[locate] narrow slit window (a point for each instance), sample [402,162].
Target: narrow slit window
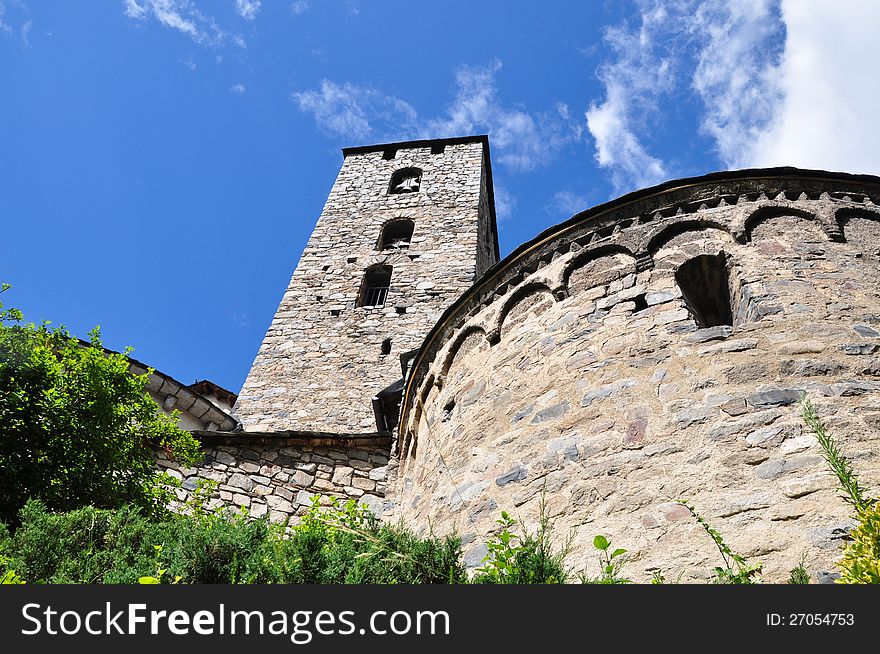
[406,180]
[374,290]
[396,235]
[705,287]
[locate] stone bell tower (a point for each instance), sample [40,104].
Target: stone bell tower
[407,228]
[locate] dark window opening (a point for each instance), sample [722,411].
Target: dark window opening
[351,259]
[335,312]
[389,154]
[374,290]
[640,302]
[406,180]
[447,410]
[400,309]
[438,148]
[386,346]
[705,288]
[319,297]
[396,235]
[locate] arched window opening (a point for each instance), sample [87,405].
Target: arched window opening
[406,180]
[374,289]
[396,235]
[705,287]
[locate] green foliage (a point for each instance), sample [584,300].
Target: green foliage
[76,427]
[9,577]
[610,564]
[861,556]
[7,574]
[799,574]
[525,559]
[10,314]
[736,570]
[839,464]
[338,544]
[345,543]
[160,577]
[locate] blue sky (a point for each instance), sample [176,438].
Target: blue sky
[162,162]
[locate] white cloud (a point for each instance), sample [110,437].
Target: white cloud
[639,73]
[725,52]
[180,15]
[618,148]
[248,9]
[136,11]
[505,202]
[16,17]
[299,7]
[828,115]
[777,83]
[188,61]
[356,112]
[237,89]
[521,140]
[736,73]
[4,27]
[569,203]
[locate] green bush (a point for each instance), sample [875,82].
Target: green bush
[610,564]
[346,544]
[861,556]
[799,574]
[340,544]
[526,559]
[76,427]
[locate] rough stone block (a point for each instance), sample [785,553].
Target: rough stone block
[775,397]
[238,480]
[719,332]
[515,474]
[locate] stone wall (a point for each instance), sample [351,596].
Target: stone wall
[278,474]
[576,374]
[323,359]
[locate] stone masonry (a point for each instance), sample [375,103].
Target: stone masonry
[650,349]
[576,373]
[277,476]
[324,357]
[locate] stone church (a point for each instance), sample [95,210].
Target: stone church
[649,349]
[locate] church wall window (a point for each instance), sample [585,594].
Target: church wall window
[374,289]
[405,180]
[705,287]
[396,235]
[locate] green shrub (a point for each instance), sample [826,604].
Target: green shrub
[340,544]
[610,563]
[526,559]
[799,575]
[91,545]
[861,556]
[76,427]
[346,544]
